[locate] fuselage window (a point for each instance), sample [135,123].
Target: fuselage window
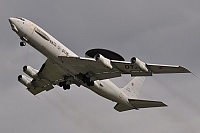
[21,19]
[42,34]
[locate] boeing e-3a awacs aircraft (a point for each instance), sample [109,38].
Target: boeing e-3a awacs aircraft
[63,68]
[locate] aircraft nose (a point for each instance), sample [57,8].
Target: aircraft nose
[12,23]
[11,20]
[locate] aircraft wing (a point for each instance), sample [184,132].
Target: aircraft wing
[85,65]
[49,75]
[112,68]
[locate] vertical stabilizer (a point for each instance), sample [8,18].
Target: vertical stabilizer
[132,89]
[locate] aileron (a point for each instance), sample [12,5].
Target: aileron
[159,69]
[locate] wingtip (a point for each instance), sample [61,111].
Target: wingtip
[165,105]
[185,70]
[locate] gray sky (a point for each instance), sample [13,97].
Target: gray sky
[156,31]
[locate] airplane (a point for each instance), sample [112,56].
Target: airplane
[64,68]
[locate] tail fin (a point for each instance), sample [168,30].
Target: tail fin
[132,89]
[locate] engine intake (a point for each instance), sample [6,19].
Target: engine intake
[31,72]
[25,80]
[103,60]
[139,63]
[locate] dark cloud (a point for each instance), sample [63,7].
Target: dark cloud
[155,31]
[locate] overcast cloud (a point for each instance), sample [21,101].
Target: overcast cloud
[156,31]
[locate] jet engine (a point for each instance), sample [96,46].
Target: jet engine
[25,80]
[139,63]
[30,72]
[103,60]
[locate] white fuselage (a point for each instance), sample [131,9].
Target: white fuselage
[52,48]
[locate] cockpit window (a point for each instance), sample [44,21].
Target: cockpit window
[21,19]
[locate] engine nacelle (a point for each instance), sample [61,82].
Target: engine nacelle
[103,60]
[25,80]
[139,63]
[30,71]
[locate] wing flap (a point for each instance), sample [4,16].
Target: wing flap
[37,90]
[107,75]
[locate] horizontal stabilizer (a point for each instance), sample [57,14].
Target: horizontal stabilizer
[136,103]
[121,107]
